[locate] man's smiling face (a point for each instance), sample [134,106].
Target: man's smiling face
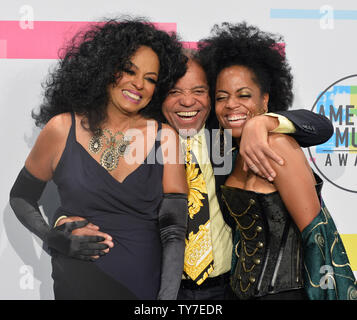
[187,105]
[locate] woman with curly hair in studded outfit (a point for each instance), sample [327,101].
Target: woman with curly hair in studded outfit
[283,232]
[101,145]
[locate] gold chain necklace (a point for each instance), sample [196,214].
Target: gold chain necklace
[116,148]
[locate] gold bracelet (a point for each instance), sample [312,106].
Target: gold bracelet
[61,217]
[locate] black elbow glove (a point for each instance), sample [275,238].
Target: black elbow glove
[24,196]
[173,225]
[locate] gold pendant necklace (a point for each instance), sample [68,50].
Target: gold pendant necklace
[116,147]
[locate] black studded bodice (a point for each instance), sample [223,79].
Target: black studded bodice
[269,257]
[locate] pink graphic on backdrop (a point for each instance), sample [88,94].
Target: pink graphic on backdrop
[46,38]
[194,45]
[3,49]
[281,48]
[190,45]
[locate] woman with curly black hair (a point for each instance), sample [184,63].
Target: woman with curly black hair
[101,144]
[276,255]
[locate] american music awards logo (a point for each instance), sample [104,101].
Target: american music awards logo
[336,159]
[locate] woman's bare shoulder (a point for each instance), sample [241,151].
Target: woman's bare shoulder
[58,125]
[169,134]
[49,146]
[170,129]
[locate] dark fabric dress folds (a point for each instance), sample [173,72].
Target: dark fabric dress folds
[128,211]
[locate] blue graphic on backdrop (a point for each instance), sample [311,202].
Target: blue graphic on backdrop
[336,159]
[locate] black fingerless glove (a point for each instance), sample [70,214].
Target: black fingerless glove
[173,223]
[24,196]
[80,247]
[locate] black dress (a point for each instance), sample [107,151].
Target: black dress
[128,211]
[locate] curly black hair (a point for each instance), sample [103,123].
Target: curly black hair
[95,58]
[246,45]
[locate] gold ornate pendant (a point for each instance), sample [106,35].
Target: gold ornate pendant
[116,148]
[95,144]
[109,159]
[123,147]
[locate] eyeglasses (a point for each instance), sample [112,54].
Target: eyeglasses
[196,92]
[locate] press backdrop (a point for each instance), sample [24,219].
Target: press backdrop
[320,44]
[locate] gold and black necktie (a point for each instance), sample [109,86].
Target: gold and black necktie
[198,254]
